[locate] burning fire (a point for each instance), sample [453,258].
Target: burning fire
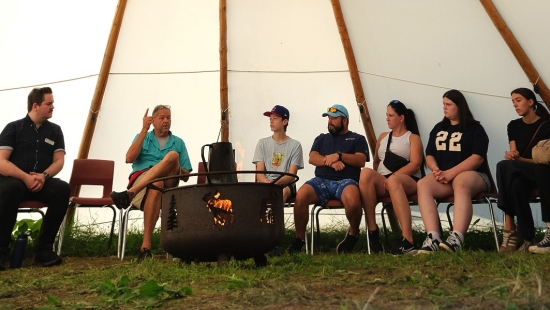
[221,209]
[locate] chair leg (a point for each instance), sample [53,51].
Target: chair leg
[61,235]
[368,239]
[319,209]
[125,220]
[112,227]
[493,222]
[124,232]
[449,217]
[120,231]
[312,225]
[387,241]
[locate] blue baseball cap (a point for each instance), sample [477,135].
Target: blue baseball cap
[279,110]
[337,110]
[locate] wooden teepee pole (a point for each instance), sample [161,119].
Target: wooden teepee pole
[101,82]
[224,104]
[359,95]
[354,73]
[517,50]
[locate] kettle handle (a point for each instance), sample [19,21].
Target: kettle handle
[204,162]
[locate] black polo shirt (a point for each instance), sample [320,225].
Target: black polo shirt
[32,148]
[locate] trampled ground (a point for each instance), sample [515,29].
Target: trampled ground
[471,280]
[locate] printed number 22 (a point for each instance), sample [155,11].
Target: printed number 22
[454,142]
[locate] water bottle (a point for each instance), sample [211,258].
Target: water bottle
[19,250]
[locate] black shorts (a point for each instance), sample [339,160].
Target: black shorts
[412,176]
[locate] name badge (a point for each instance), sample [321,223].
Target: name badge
[50,142]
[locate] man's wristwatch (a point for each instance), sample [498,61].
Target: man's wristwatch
[46,175]
[339,155]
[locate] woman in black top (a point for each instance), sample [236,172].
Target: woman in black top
[456,153]
[517,175]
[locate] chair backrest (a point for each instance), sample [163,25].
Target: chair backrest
[92,172]
[201,179]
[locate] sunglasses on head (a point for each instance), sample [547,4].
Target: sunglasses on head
[333,110]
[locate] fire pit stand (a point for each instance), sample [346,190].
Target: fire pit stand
[216,221]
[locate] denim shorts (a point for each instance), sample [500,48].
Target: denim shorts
[330,189]
[485,178]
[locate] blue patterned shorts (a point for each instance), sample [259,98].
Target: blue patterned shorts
[330,189]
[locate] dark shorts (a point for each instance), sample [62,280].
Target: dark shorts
[416,179]
[330,189]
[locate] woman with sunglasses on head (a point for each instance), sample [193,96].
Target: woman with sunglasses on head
[396,169]
[518,174]
[457,155]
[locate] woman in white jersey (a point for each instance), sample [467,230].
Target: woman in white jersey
[396,169]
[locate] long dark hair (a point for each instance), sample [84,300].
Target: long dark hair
[466,120]
[410,119]
[410,123]
[540,110]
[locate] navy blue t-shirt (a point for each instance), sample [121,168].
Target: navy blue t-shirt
[349,143]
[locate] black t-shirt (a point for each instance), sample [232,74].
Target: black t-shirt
[521,133]
[450,147]
[32,148]
[349,143]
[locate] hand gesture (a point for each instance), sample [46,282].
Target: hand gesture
[147,121]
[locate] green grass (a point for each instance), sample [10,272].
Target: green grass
[92,278]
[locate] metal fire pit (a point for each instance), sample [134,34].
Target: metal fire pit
[212,222]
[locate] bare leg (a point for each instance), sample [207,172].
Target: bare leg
[428,189]
[371,186]
[465,185]
[151,211]
[352,205]
[400,186]
[509,223]
[286,194]
[168,166]
[306,195]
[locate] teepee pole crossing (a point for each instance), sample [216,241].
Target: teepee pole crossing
[517,50]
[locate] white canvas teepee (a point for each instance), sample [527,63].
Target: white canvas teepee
[284,52]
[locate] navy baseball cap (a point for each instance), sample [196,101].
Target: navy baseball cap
[279,110]
[337,110]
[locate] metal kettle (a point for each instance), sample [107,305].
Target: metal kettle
[221,157]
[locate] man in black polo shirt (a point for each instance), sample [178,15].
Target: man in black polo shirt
[32,151]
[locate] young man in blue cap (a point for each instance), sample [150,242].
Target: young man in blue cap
[338,156]
[278,152]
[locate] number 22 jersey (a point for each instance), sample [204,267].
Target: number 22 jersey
[450,147]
